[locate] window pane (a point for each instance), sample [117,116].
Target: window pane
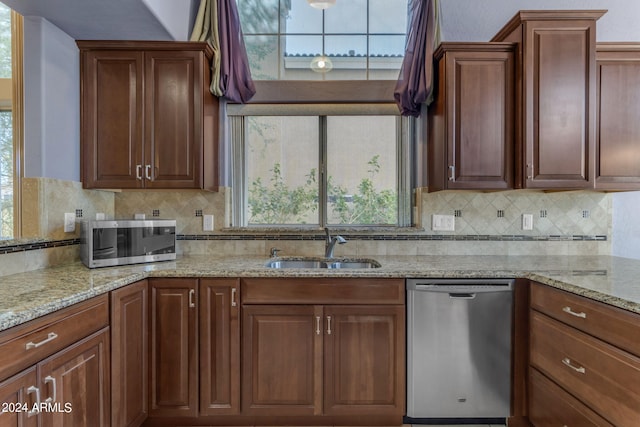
[5,42]
[6,175]
[361,170]
[387,16]
[282,170]
[258,16]
[302,19]
[264,60]
[347,16]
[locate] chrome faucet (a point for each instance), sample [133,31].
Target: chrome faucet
[330,243]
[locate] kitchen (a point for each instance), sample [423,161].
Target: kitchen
[566,229]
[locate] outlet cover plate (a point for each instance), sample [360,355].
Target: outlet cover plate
[443,223]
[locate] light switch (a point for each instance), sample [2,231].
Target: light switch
[527,221]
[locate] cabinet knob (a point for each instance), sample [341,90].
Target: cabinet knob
[50,379]
[233,297]
[452,173]
[192,295]
[35,410]
[139,172]
[328,325]
[318,325]
[147,172]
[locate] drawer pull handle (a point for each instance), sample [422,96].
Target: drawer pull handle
[50,379]
[317,325]
[35,410]
[52,336]
[192,294]
[573,313]
[328,325]
[233,297]
[567,362]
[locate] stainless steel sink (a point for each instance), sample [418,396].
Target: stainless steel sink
[327,263]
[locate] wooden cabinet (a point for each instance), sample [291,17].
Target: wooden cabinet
[78,379]
[129,354]
[148,119]
[18,394]
[555,97]
[61,361]
[471,122]
[219,305]
[618,133]
[173,347]
[331,358]
[583,351]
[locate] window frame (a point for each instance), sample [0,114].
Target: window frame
[405,143]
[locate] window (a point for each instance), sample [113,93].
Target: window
[323,166]
[361,39]
[322,153]
[6,128]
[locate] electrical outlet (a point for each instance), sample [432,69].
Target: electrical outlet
[69,222]
[527,221]
[139,216]
[443,223]
[100,216]
[207,222]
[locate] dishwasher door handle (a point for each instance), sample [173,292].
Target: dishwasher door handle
[461,295]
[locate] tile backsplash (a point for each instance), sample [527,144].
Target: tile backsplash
[564,223]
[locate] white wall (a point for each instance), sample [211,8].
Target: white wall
[51,102]
[176,16]
[626,225]
[474,20]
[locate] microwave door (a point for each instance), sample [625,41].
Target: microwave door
[105,243]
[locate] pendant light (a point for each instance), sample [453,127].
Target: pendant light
[321,4]
[321,64]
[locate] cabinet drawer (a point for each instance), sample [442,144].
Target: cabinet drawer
[551,406]
[604,377]
[322,291]
[24,345]
[616,326]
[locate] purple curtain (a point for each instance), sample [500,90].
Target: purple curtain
[415,82]
[235,76]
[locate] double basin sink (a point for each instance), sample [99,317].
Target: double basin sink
[315,263]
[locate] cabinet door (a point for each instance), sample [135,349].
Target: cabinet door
[559,103]
[479,111]
[364,360]
[111,119]
[76,380]
[130,355]
[618,142]
[219,346]
[282,360]
[173,119]
[173,347]
[18,394]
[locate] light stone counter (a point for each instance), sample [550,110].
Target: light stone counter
[612,280]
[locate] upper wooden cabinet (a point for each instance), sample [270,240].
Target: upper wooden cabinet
[618,136]
[148,119]
[471,122]
[555,97]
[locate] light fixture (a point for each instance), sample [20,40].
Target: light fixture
[321,64]
[321,4]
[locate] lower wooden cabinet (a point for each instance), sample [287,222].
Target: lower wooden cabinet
[56,369]
[329,359]
[219,346]
[18,394]
[77,378]
[583,366]
[129,355]
[173,347]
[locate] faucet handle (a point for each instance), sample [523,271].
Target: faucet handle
[273,252]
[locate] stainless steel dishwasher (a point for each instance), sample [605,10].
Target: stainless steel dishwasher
[459,350]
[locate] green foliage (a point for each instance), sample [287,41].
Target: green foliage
[369,205]
[280,204]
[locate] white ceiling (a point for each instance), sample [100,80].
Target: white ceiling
[462,20]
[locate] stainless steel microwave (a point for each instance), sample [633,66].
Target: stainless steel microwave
[120,242]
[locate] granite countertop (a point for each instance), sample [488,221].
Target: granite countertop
[612,280]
